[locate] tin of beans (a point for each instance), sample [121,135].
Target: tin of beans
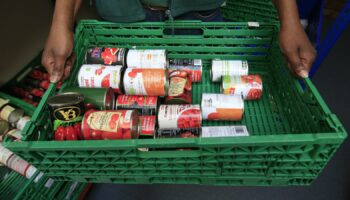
[180,87]
[149,82]
[221,68]
[67,107]
[99,98]
[179,116]
[192,66]
[145,105]
[178,133]
[100,76]
[106,56]
[150,59]
[249,87]
[222,107]
[110,125]
[147,126]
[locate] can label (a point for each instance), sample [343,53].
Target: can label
[146,105]
[250,86]
[22,122]
[105,55]
[148,124]
[224,131]
[221,68]
[178,133]
[119,124]
[3,102]
[100,76]
[150,82]
[179,88]
[6,112]
[192,66]
[155,59]
[176,86]
[179,116]
[222,107]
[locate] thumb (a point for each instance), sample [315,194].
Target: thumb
[57,70]
[296,64]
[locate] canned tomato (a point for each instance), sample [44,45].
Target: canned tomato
[11,114]
[180,87]
[22,122]
[44,84]
[179,116]
[224,131]
[39,75]
[145,105]
[222,107]
[221,68]
[106,56]
[67,107]
[249,87]
[178,133]
[149,82]
[192,66]
[33,94]
[150,59]
[100,98]
[110,125]
[100,76]
[147,126]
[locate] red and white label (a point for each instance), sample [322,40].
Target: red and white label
[221,68]
[148,124]
[179,116]
[150,59]
[250,86]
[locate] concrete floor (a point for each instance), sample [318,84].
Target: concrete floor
[23,34]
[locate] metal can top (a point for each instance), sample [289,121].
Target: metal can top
[63,99]
[109,99]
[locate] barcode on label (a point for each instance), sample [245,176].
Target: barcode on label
[197,62]
[224,131]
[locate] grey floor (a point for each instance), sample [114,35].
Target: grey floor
[24,27]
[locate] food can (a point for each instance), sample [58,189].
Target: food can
[3,102]
[39,75]
[44,84]
[106,56]
[150,59]
[67,107]
[147,126]
[249,87]
[100,76]
[192,66]
[110,125]
[178,133]
[149,82]
[221,68]
[4,127]
[180,87]
[222,107]
[179,116]
[11,114]
[145,105]
[100,98]
[22,122]
[16,134]
[224,131]
[33,94]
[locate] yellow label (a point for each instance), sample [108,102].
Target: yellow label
[6,111]
[177,86]
[104,121]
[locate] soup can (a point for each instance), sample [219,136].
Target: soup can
[147,126]
[150,59]
[222,107]
[100,76]
[149,82]
[249,87]
[180,87]
[100,98]
[192,66]
[110,125]
[145,105]
[179,116]
[106,56]
[66,107]
[221,68]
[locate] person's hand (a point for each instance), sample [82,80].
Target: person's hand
[58,57]
[297,49]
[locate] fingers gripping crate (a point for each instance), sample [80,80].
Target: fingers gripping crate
[292,132]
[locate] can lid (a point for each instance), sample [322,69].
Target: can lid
[166,83]
[15,116]
[63,99]
[109,99]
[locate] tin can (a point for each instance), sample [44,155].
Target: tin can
[178,133]
[179,116]
[16,134]
[4,127]
[100,98]
[147,126]
[11,114]
[28,92]
[224,131]
[39,75]
[3,102]
[221,68]
[44,84]
[180,87]
[222,107]
[66,107]
[192,66]
[150,59]
[145,105]
[106,56]
[22,122]
[249,87]
[100,76]
[149,82]
[110,125]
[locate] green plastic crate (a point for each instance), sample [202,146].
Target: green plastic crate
[250,10]
[293,133]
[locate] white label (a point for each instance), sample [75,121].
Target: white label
[169,115]
[234,85]
[151,59]
[216,103]
[71,190]
[22,122]
[221,68]
[49,183]
[224,131]
[253,24]
[134,85]
[30,171]
[38,177]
